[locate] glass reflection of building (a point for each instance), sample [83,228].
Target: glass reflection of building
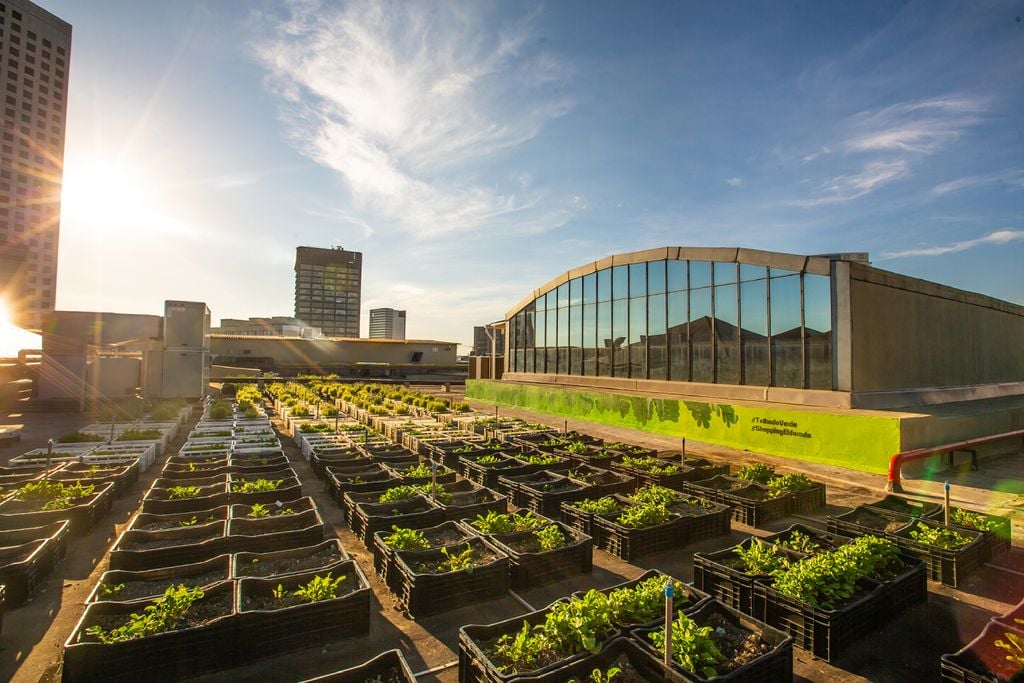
[682,320]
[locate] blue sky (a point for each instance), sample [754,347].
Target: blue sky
[474,150]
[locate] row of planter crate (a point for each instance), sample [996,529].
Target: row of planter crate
[223,625]
[823,632]
[996,655]
[626,646]
[951,553]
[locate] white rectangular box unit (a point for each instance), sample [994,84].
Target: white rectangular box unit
[184,374]
[186,325]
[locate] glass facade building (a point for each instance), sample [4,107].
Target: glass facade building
[682,319]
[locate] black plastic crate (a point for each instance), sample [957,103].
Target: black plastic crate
[713,574]
[950,567]
[269,632]
[424,594]
[529,569]
[687,600]
[980,661]
[711,520]
[415,513]
[776,665]
[583,522]
[865,521]
[806,502]
[444,534]
[824,633]
[388,666]
[628,544]
[995,540]
[41,549]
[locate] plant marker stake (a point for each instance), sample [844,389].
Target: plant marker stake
[945,492]
[669,593]
[335,423]
[565,427]
[433,480]
[111,440]
[49,454]
[682,446]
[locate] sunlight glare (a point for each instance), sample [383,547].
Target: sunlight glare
[106,198]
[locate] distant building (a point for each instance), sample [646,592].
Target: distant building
[387,323]
[328,287]
[35,52]
[275,326]
[482,343]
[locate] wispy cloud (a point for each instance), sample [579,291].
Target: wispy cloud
[922,126]
[996,237]
[735,181]
[1013,179]
[405,100]
[845,188]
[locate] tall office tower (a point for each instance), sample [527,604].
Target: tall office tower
[387,323]
[35,51]
[328,285]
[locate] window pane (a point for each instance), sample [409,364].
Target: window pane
[620,282]
[541,327]
[637,279]
[530,339]
[563,340]
[676,276]
[604,284]
[701,369]
[604,338]
[818,330]
[727,350]
[638,337]
[678,335]
[620,333]
[787,341]
[576,291]
[540,304]
[590,288]
[575,339]
[700,274]
[725,273]
[754,335]
[563,295]
[656,350]
[655,277]
[748,273]
[589,340]
[552,330]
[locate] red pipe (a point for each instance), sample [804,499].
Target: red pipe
[896,462]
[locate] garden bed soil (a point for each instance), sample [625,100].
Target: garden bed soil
[417,512]
[320,557]
[140,550]
[865,521]
[153,583]
[275,533]
[584,521]
[151,522]
[241,511]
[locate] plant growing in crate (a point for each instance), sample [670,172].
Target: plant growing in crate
[972,520]
[258,486]
[757,472]
[53,495]
[644,515]
[789,483]
[406,539]
[759,558]
[550,538]
[656,495]
[800,542]
[109,590]
[403,492]
[692,646]
[641,603]
[320,588]
[649,464]
[164,614]
[940,538]
[497,523]
[542,459]
[597,506]
[1014,645]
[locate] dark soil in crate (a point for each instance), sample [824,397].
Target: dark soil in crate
[426,588]
[201,612]
[864,521]
[149,522]
[529,565]
[157,540]
[389,667]
[317,557]
[981,661]
[141,589]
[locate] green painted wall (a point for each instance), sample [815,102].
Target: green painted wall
[858,442]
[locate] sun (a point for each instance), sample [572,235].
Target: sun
[106,197]
[12,337]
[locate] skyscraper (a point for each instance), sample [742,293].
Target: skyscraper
[35,51]
[328,286]
[387,323]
